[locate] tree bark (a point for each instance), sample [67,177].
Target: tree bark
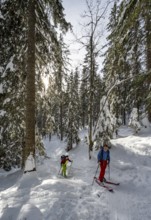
[91,96]
[30,83]
[148,50]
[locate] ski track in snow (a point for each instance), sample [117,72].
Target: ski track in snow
[44,195]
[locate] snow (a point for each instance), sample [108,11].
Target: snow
[106,122]
[1,16]
[1,87]
[30,163]
[133,120]
[10,66]
[2,112]
[44,195]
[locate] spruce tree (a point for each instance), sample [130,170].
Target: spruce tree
[14,22]
[72,124]
[106,124]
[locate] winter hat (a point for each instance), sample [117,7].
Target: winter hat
[105,145]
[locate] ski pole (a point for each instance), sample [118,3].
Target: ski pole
[109,170]
[59,170]
[69,168]
[95,174]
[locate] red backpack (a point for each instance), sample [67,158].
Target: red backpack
[63,159]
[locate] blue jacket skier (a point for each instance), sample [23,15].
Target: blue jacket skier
[103,160]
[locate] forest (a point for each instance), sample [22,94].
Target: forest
[33,48]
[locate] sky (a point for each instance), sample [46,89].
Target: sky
[73,10]
[45,195]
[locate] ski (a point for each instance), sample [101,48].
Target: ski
[112,183]
[103,185]
[64,177]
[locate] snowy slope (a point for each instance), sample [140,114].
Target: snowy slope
[44,195]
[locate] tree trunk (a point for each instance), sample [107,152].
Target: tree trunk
[30,86]
[91,97]
[61,120]
[148,51]
[59,85]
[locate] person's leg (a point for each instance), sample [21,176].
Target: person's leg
[102,170]
[105,165]
[67,167]
[64,170]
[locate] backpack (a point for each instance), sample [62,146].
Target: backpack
[63,159]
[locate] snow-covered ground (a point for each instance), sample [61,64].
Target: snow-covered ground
[44,195]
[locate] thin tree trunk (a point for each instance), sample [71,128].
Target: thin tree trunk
[61,105]
[61,118]
[91,98]
[124,116]
[83,119]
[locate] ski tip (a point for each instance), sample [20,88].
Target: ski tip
[117,184]
[112,183]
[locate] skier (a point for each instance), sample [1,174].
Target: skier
[103,160]
[64,161]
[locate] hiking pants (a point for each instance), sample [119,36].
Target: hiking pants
[103,166]
[64,169]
